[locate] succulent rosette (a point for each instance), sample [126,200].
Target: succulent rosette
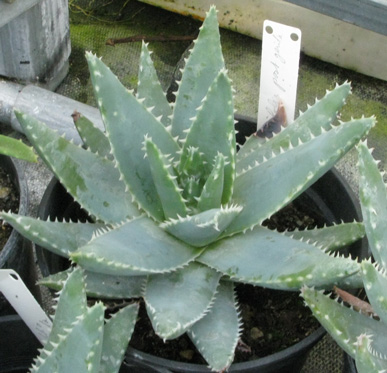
[175,212]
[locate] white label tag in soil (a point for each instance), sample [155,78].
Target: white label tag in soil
[24,303]
[279,73]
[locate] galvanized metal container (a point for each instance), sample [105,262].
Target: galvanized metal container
[35,41]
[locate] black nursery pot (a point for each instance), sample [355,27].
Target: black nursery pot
[17,252]
[349,364]
[17,343]
[330,196]
[18,346]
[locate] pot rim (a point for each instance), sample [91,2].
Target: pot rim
[281,356]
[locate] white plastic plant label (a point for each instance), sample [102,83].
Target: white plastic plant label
[24,303]
[279,73]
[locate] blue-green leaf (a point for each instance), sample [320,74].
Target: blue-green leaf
[375,284]
[149,88]
[202,67]
[342,323]
[71,319]
[373,198]
[267,258]
[92,137]
[331,238]
[137,247]
[127,122]
[81,344]
[216,335]
[311,123]
[215,119]
[203,228]
[211,196]
[165,180]
[116,335]
[367,361]
[99,285]
[59,238]
[72,304]
[76,168]
[190,292]
[302,165]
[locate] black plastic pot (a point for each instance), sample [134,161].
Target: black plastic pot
[18,346]
[17,343]
[330,196]
[290,360]
[349,364]
[17,252]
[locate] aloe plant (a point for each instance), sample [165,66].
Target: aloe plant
[361,330]
[16,148]
[80,339]
[176,213]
